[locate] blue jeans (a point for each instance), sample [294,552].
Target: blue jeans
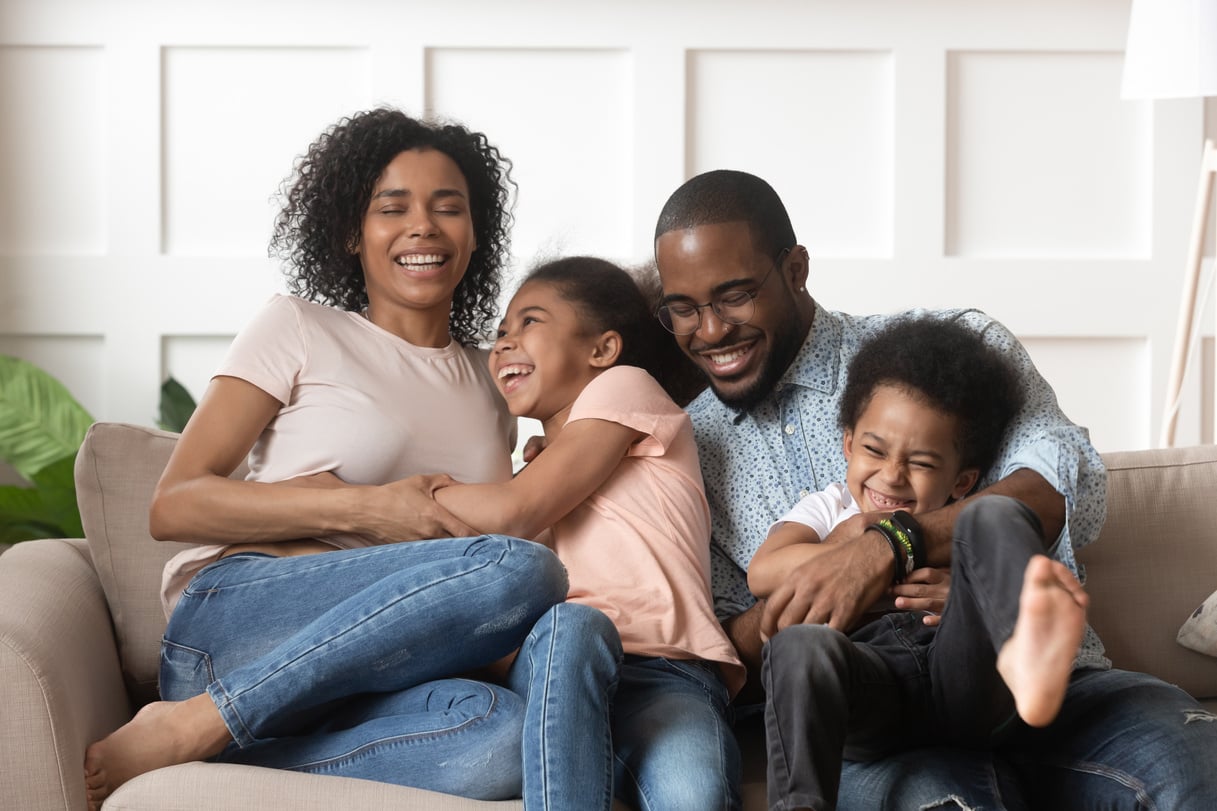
[1122,741]
[674,747]
[339,663]
[654,731]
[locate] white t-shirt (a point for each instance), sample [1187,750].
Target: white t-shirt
[361,403]
[822,510]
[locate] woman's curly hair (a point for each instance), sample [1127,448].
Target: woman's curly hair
[328,193]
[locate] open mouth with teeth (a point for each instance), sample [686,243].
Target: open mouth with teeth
[729,361]
[421,261]
[512,376]
[882,501]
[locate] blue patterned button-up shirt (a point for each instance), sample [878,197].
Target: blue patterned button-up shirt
[759,463]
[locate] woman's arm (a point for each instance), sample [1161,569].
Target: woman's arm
[195,500]
[578,461]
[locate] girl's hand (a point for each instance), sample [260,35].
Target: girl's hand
[924,590]
[406,510]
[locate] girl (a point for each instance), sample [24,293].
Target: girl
[620,490]
[302,635]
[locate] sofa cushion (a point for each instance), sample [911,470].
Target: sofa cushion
[1154,562]
[116,471]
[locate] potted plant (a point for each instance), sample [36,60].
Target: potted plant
[41,428]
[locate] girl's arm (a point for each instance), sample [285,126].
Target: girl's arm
[788,546]
[195,501]
[578,461]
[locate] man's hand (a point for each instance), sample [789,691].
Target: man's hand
[533,447]
[925,589]
[834,589]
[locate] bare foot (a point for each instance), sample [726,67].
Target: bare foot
[1037,659]
[164,733]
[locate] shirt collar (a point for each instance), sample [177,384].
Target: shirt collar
[816,364]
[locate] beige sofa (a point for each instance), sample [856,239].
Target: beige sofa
[80,624]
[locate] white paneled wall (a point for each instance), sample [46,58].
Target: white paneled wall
[932,153]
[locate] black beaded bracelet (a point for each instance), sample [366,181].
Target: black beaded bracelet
[899,575]
[915,535]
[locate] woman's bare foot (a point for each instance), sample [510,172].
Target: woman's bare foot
[164,733]
[1037,660]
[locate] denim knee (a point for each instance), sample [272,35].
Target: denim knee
[981,514]
[808,649]
[548,582]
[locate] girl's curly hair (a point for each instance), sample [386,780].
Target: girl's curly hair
[325,199]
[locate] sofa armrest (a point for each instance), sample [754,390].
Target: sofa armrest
[60,683]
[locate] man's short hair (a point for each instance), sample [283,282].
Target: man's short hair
[726,195]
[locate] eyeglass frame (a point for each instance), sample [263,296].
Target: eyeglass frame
[716,302]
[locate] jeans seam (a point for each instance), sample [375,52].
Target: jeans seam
[398,740]
[346,630]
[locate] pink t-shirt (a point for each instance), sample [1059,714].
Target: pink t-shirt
[639,548]
[361,403]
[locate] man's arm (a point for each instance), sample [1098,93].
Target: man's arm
[744,631]
[1025,485]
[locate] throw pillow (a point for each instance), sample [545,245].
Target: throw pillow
[1200,631]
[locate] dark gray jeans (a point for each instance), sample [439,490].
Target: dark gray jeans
[896,682]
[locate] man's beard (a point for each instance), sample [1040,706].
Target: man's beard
[784,347]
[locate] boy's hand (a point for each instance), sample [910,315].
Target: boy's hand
[925,589]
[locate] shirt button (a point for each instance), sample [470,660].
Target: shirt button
[789,430]
[803,494]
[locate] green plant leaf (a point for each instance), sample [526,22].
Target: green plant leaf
[58,474]
[176,406]
[47,512]
[40,421]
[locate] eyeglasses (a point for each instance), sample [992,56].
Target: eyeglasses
[733,307]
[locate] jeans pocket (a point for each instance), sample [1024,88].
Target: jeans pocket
[185,672]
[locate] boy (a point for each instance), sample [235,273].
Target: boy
[923,413]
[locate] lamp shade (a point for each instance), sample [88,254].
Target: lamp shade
[1172,49]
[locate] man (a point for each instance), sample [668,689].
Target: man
[734,295]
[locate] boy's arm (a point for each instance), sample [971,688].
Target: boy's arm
[787,545]
[582,457]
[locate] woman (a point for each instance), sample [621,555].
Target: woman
[303,633]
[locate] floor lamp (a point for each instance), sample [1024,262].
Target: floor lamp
[1172,53]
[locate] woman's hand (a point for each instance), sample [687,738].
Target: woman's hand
[406,510]
[924,589]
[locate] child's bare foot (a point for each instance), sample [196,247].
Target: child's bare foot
[164,733]
[1037,660]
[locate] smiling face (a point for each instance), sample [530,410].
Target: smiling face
[902,455]
[543,356]
[415,244]
[701,264]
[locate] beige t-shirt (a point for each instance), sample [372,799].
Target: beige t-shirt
[639,548]
[361,403]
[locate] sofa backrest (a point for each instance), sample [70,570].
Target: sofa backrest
[117,468]
[1155,561]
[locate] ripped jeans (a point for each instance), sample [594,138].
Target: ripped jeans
[342,662]
[1121,741]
